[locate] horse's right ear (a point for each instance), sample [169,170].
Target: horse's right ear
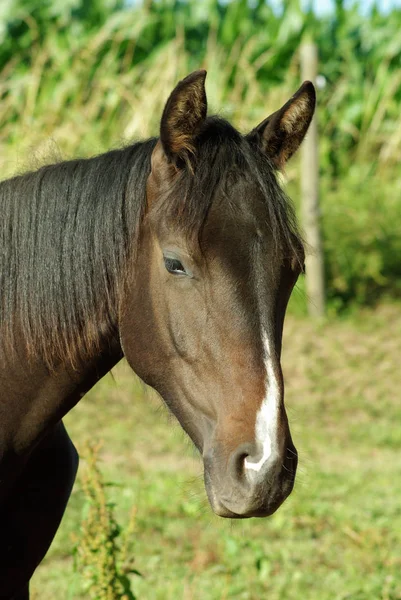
[182,118]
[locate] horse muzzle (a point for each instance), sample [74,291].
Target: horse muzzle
[238,492]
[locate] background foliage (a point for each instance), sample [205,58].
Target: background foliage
[79,76]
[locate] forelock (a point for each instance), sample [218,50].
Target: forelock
[222,156]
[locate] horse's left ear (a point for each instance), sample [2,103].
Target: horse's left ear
[183,116]
[281,134]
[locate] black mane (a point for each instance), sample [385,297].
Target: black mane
[221,153]
[68,229]
[65,233]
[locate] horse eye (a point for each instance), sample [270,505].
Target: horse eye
[174,266]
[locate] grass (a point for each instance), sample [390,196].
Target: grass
[337,537]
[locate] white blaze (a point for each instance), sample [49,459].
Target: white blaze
[267,417]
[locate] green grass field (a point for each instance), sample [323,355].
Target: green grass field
[338,536]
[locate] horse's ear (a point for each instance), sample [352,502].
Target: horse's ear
[280,135]
[182,118]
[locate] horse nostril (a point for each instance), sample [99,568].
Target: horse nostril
[237,460]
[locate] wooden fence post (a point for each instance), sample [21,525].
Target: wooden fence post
[310,196]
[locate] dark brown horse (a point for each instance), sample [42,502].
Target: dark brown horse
[179,253]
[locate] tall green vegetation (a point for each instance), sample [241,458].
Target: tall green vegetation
[101,549]
[78,77]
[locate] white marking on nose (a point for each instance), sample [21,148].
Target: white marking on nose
[267,417]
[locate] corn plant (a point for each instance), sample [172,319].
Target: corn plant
[78,78]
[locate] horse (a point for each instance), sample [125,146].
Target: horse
[178,253]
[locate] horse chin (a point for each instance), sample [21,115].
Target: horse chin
[241,511]
[225,513]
